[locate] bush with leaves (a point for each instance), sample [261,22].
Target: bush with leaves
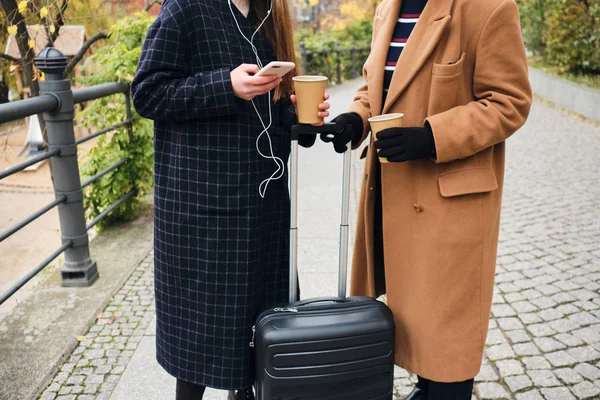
[323,59]
[117,62]
[572,34]
[565,33]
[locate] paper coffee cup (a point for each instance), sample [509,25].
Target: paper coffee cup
[310,92]
[383,122]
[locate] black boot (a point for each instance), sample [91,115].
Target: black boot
[416,394]
[246,394]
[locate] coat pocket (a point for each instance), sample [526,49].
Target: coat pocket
[467,181]
[450,68]
[447,86]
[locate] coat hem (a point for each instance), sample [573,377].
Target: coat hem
[176,375]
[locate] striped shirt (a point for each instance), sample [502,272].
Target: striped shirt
[409,15]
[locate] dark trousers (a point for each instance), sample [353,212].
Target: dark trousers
[189,391]
[446,391]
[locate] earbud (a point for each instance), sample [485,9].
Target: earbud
[262,188]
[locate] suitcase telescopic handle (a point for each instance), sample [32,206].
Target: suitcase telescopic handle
[330,128]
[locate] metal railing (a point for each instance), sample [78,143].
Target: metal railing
[337,64]
[57,103]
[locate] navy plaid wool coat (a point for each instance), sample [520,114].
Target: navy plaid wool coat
[221,251]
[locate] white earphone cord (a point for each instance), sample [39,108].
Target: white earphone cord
[262,188]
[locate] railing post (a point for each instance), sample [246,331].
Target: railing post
[303,58]
[338,64]
[78,269]
[353,57]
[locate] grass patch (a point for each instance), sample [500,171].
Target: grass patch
[586,79]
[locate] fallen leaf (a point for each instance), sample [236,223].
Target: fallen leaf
[80,338]
[23,7]
[110,321]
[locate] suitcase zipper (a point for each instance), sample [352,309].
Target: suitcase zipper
[277,310]
[282,310]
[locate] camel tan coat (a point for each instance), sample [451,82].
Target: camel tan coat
[464,70]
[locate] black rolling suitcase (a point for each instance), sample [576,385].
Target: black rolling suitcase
[339,348]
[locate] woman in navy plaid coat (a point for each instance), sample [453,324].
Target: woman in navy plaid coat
[221,250]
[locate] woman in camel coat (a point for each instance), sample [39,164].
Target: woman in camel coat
[462,83]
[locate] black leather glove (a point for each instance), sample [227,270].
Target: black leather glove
[340,141]
[404,144]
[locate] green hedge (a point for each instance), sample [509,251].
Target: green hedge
[566,33]
[356,35]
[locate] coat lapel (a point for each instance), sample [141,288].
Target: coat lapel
[423,40]
[381,45]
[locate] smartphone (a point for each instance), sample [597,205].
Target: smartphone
[279,68]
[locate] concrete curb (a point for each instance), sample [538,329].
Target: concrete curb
[40,333]
[572,96]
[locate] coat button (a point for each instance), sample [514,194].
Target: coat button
[418,208]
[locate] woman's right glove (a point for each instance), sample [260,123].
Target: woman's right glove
[340,141]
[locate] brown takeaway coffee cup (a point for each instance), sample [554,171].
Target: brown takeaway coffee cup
[310,92]
[382,122]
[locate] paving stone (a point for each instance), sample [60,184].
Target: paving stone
[48,396]
[584,353]
[514,297]
[543,378]
[589,334]
[530,318]
[548,290]
[69,397]
[536,362]
[500,352]
[588,371]
[508,324]
[75,380]
[586,390]
[503,310]
[524,306]
[560,358]
[550,314]
[509,367]
[558,394]
[584,318]
[548,344]
[531,294]
[489,390]
[543,302]
[529,395]
[517,383]
[495,336]
[518,336]
[564,325]
[54,387]
[526,349]
[93,354]
[568,376]
[584,294]
[91,389]
[569,339]
[539,330]
[486,374]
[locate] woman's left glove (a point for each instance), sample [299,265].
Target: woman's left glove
[404,144]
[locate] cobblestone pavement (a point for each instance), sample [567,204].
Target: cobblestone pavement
[544,338]
[96,365]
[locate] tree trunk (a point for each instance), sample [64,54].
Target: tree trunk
[11,11]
